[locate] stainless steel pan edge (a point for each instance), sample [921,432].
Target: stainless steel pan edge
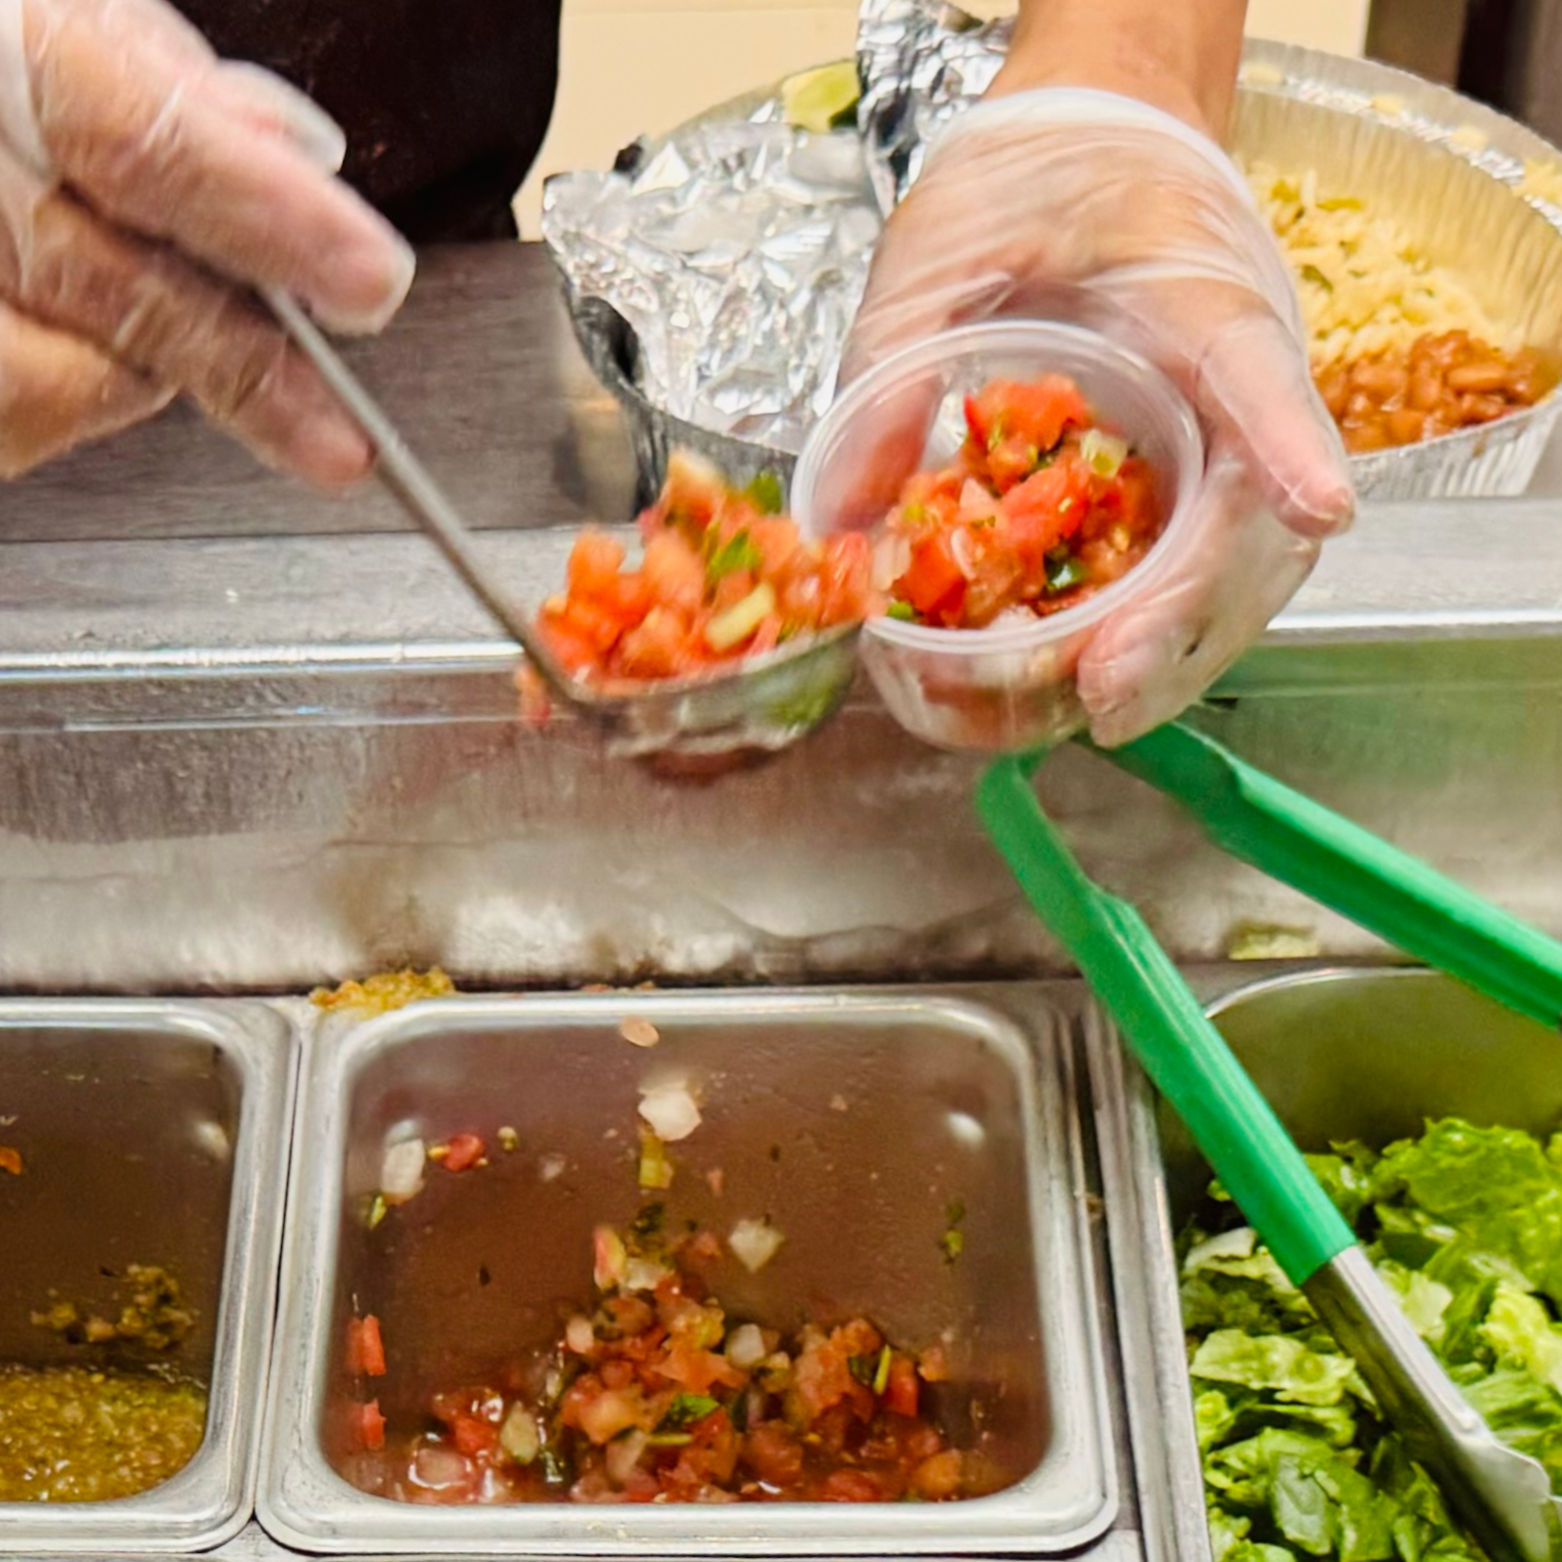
[210,1501]
[1141,1236]
[1070,1501]
[1168,1474]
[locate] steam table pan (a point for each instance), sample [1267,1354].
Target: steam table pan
[1360,1053]
[852,1122]
[151,1133]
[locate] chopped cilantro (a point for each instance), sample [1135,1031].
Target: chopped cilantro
[765,493]
[737,552]
[952,1242]
[685,1411]
[648,1223]
[1065,571]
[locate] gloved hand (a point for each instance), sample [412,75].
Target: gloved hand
[145,187]
[1074,204]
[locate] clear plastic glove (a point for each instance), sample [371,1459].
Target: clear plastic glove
[145,188]
[1073,204]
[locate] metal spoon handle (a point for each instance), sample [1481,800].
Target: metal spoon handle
[408,479]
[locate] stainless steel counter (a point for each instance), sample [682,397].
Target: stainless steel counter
[239,749]
[482,374]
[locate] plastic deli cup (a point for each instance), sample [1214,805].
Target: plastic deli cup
[1011,685]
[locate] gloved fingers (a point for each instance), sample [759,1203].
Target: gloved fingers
[167,147]
[1150,660]
[159,314]
[1248,378]
[58,391]
[931,270]
[256,94]
[915,289]
[276,106]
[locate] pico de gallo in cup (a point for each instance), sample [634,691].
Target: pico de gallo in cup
[1040,509]
[1021,479]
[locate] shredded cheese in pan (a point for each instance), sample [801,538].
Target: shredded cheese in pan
[1365,288]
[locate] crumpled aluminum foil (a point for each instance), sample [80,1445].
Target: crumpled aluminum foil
[736,249]
[920,62]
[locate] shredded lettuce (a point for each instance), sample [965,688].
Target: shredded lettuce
[1464,1223]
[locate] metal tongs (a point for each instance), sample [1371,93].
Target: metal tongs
[1504,1497]
[762,705]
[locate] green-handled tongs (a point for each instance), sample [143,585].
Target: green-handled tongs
[1504,1497]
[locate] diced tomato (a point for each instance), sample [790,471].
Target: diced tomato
[933,1364]
[900,1393]
[365,1348]
[774,1455]
[777,541]
[462,1152]
[1046,509]
[1035,411]
[600,1412]
[574,652]
[594,622]
[937,1478]
[851,1486]
[1009,462]
[660,646]
[846,579]
[713,1455]
[698,1371]
[978,416]
[933,577]
[674,573]
[630,598]
[594,563]
[473,1436]
[1137,486]
[369,1425]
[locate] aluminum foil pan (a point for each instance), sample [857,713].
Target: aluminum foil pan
[1507,251]
[713,274]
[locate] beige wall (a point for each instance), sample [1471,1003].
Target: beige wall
[631,66]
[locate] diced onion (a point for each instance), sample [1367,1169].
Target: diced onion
[891,560]
[609,1258]
[579,1335]
[437,1469]
[671,1111]
[740,620]
[623,1454]
[755,1243]
[644,1274]
[960,551]
[1103,453]
[746,1346]
[401,1170]
[518,1435]
[639,1033]
[976,504]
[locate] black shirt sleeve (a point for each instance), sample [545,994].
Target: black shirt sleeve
[444,102]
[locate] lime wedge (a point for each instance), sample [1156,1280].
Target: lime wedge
[821,99]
